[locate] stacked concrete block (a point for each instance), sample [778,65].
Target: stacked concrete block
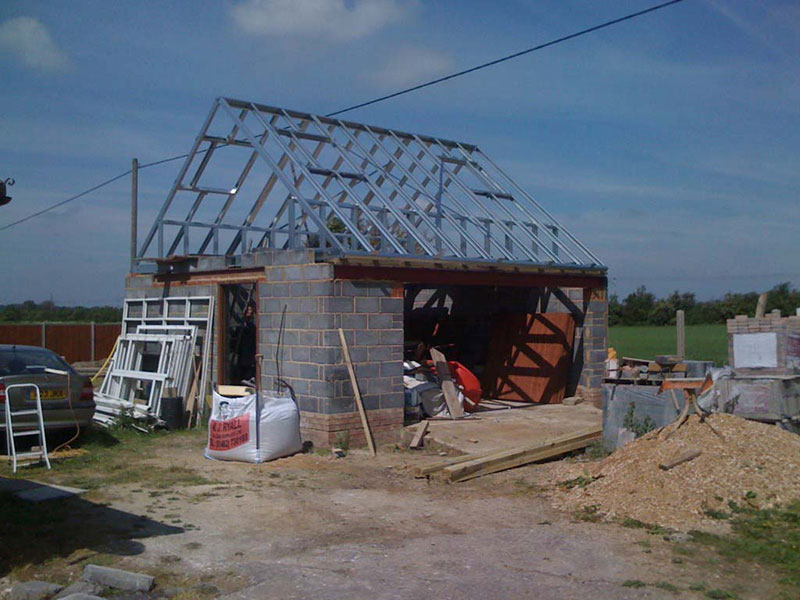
[595,345]
[310,357]
[787,335]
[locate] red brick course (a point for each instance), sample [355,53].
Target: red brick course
[326,430]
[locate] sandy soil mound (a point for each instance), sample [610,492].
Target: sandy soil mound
[752,464]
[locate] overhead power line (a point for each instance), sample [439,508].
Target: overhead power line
[63,202]
[491,63]
[485,65]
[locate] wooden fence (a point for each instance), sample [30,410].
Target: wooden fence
[74,341]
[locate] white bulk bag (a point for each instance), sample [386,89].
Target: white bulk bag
[232,433]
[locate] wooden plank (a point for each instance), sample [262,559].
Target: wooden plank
[529,458]
[191,399]
[416,441]
[433,272]
[438,466]
[634,361]
[685,457]
[448,387]
[689,383]
[357,393]
[515,457]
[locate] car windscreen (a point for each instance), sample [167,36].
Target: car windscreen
[28,361]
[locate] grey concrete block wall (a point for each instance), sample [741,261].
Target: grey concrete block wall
[310,357]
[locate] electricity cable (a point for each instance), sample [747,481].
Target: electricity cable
[375,100]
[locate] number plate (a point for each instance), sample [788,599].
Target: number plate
[58,394]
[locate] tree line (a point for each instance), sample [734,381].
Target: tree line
[31,312]
[643,308]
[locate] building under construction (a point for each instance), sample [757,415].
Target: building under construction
[404,241]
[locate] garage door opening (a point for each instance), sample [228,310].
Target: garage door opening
[520,344]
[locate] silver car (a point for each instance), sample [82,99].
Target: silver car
[29,364]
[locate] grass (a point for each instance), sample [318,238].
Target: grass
[765,536]
[703,342]
[115,457]
[581,481]
[590,514]
[648,527]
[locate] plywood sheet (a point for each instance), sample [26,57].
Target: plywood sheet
[529,357]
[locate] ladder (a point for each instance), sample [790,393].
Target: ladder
[11,435]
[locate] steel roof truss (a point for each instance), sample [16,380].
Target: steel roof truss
[392,193]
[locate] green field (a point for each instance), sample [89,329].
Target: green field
[703,342]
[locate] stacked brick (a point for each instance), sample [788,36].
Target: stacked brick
[594,339]
[787,333]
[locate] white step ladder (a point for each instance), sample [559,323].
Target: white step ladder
[11,435]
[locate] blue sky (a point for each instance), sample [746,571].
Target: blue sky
[669,144]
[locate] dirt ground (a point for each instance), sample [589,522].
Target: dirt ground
[356,527]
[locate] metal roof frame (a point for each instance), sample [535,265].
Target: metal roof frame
[350,189]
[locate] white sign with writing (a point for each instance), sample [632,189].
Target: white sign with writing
[754,350]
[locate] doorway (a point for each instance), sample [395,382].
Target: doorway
[239,333]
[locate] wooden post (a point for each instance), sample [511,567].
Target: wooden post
[92,333]
[44,335]
[680,321]
[134,209]
[357,393]
[761,307]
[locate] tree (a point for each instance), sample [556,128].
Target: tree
[784,298]
[638,307]
[665,309]
[47,311]
[615,316]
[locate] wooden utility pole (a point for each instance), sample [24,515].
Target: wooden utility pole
[680,321]
[134,209]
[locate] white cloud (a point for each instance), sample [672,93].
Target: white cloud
[30,41]
[334,20]
[410,66]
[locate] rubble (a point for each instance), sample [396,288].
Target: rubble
[118,579]
[34,590]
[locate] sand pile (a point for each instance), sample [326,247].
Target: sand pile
[753,464]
